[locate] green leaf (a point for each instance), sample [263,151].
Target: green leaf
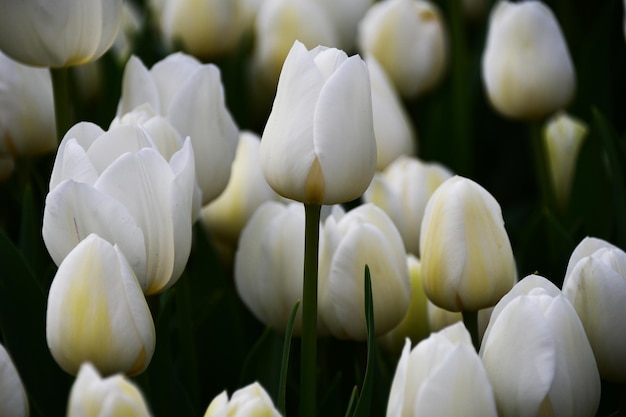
[363,406]
[351,403]
[282,385]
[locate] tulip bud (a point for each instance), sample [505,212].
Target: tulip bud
[60,33]
[191,97]
[346,15]
[318,145]
[563,137]
[97,312]
[92,395]
[440,318]
[527,69]
[537,355]
[403,190]
[250,401]
[362,236]
[467,260]
[27,124]
[13,400]
[596,287]
[441,376]
[395,135]
[407,38]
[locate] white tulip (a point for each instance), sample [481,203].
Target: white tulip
[250,401]
[13,399]
[346,15]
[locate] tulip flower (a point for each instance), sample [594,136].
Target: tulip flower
[467,260]
[318,146]
[97,312]
[249,401]
[520,33]
[537,355]
[118,185]
[441,376]
[13,400]
[268,263]
[60,33]
[402,191]
[440,318]
[346,16]
[191,97]
[395,135]
[596,287]
[27,125]
[407,37]
[563,137]
[362,236]
[92,395]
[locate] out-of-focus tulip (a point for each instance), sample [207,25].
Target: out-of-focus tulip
[250,401]
[440,318]
[346,16]
[92,395]
[596,287]
[268,263]
[563,136]
[226,216]
[59,33]
[116,184]
[318,144]
[97,312]
[441,376]
[190,96]
[414,325]
[395,135]
[403,190]
[408,39]
[537,355]
[7,164]
[13,400]
[27,124]
[520,33]
[467,260]
[205,28]
[362,236]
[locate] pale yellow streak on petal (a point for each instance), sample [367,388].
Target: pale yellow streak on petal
[314,187]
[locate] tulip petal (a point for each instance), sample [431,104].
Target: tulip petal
[13,400]
[138,88]
[399,388]
[170,74]
[115,142]
[75,165]
[585,248]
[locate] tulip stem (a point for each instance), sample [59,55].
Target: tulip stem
[61,100]
[470,319]
[308,349]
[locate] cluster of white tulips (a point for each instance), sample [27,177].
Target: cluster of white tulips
[330,191]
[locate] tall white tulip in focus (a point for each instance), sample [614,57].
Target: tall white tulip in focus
[92,395]
[467,260]
[527,69]
[318,145]
[97,312]
[249,401]
[117,184]
[13,399]
[58,33]
[596,286]
[537,355]
[442,376]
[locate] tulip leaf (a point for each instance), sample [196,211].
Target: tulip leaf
[353,396]
[363,406]
[23,329]
[282,385]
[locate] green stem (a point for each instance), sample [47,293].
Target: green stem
[308,360]
[61,100]
[470,319]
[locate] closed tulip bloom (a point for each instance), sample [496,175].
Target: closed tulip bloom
[118,185]
[403,190]
[60,33]
[441,376]
[115,396]
[519,34]
[395,135]
[538,357]
[190,96]
[27,124]
[408,38]
[250,401]
[13,400]
[318,145]
[596,287]
[98,313]
[467,260]
[346,16]
[563,137]
[362,236]
[440,318]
